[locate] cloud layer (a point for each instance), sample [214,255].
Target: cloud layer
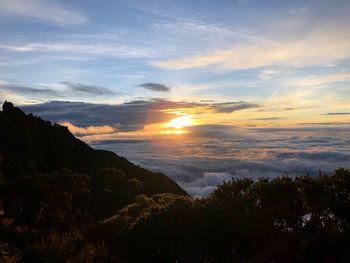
[128,116]
[216,153]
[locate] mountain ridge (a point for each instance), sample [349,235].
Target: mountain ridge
[30,145]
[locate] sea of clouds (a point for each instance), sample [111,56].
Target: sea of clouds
[200,164]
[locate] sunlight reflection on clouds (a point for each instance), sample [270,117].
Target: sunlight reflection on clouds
[200,164]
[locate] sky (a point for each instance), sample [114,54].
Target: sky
[266,80]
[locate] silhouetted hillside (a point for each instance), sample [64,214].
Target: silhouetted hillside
[31,145]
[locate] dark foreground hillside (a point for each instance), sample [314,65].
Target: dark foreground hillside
[62,201]
[30,145]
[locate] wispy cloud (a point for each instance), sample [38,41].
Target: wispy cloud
[88,89]
[200,29]
[268,119]
[108,50]
[90,130]
[267,74]
[65,90]
[45,10]
[337,113]
[23,90]
[228,107]
[155,87]
[323,80]
[295,53]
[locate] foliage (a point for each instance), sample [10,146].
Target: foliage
[284,219]
[52,218]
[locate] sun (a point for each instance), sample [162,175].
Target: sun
[179,123]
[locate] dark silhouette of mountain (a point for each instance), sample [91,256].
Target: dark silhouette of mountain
[30,145]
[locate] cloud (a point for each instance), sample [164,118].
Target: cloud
[43,10]
[221,152]
[203,186]
[305,51]
[71,89]
[307,127]
[88,89]
[267,74]
[323,80]
[128,116]
[215,131]
[316,156]
[108,50]
[337,113]
[155,87]
[28,91]
[267,119]
[199,30]
[228,107]
[90,130]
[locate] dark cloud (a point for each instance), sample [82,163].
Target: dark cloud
[309,127]
[155,87]
[28,91]
[317,156]
[267,119]
[88,89]
[337,113]
[72,89]
[228,107]
[279,109]
[206,101]
[129,116]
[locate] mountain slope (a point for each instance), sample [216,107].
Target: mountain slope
[30,145]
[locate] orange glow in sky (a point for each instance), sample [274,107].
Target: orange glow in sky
[179,123]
